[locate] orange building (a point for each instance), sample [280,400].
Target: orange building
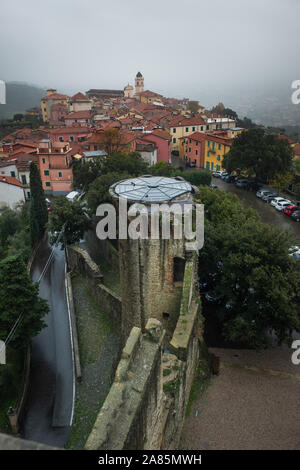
[55,164]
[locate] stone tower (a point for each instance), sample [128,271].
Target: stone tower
[128,91]
[139,83]
[152,270]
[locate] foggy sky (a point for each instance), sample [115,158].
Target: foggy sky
[182,47]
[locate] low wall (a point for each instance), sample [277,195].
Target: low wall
[111,305]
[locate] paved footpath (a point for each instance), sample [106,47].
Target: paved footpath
[254,403]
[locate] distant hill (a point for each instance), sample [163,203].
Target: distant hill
[20,97]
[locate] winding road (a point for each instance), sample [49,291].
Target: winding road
[50,403]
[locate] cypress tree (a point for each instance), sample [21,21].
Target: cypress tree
[34,224]
[38,200]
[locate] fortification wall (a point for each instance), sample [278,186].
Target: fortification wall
[111,304]
[146,405]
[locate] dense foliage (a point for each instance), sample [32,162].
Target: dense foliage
[38,209]
[72,216]
[14,232]
[259,155]
[256,281]
[19,295]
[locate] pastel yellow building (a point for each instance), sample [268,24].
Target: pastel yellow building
[215,149]
[52,97]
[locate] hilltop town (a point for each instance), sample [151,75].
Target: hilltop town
[73,126]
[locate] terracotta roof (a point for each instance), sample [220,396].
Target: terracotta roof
[297,149]
[198,136]
[70,130]
[79,115]
[10,180]
[180,121]
[149,94]
[79,97]
[55,96]
[161,133]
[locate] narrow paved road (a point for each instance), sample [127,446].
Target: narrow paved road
[49,408]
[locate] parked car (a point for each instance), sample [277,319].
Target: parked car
[213,186]
[275,201]
[224,174]
[281,205]
[73,196]
[213,297]
[295,252]
[230,178]
[243,183]
[254,186]
[288,210]
[296,215]
[261,192]
[217,174]
[268,197]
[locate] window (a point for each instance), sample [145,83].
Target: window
[212,165]
[196,152]
[13,174]
[208,153]
[213,146]
[48,183]
[190,141]
[193,129]
[174,130]
[207,165]
[44,160]
[71,138]
[218,167]
[24,179]
[196,142]
[59,174]
[201,128]
[174,140]
[178,269]
[46,172]
[190,149]
[208,143]
[219,157]
[220,146]
[60,139]
[186,129]
[95,147]
[207,127]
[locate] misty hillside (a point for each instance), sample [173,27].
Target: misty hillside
[20,97]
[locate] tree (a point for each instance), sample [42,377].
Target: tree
[281,181]
[70,214]
[162,169]
[259,155]
[9,225]
[99,190]
[297,191]
[19,295]
[38,212]
[256,278]
[197,178]
[193,106]
[131,163]
[84,173]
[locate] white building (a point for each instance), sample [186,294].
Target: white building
[11,192]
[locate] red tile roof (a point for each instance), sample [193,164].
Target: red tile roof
[10,180]
[79,97]
[79,115]
[180,121]
[161,133]
[55,96]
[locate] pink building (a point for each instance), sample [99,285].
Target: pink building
[56,172]
[69,134]
[80,117]
[162,139]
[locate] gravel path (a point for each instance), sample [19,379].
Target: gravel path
[252,404]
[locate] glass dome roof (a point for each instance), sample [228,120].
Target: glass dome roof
[151,189]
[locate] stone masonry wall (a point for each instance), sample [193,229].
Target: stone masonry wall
[111,304]
[146,405]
